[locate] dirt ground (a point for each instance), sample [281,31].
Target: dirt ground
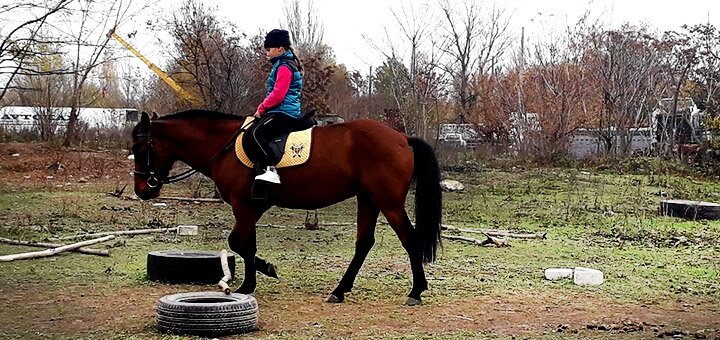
[32,165]
[84,310]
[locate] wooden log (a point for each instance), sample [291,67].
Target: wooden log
[489,241]
[116,233]
[90,251]
[53,251]
[338,224]
[190,199]
[496,232]
[226,270]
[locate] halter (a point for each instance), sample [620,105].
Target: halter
[151,178]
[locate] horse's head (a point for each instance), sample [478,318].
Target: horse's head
[152,160]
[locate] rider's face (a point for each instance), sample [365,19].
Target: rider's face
[273,52]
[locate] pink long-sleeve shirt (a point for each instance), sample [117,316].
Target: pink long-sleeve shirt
[282,84]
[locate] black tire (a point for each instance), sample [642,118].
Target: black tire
[192,266]
[691,210]
[207,313]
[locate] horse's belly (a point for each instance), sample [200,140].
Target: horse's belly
[311,199]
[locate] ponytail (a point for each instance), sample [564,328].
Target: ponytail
[296,58]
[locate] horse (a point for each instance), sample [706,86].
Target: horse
[363,158]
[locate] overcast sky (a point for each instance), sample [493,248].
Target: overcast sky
[348,22]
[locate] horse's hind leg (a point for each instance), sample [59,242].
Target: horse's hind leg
[366,221]
[266,268]
[399,221]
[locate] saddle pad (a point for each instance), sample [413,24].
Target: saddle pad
[297,149]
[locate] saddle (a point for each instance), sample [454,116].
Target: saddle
[289,149]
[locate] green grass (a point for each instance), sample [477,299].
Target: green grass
[599,220]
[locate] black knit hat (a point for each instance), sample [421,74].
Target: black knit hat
[277,38]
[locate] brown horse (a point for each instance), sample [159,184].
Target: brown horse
[362,158]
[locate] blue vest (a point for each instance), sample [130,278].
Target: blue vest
[290,106]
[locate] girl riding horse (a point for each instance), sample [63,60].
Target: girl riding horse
[363,159]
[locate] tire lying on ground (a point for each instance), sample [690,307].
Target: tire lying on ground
[691,210]
[192,266]
[207,313]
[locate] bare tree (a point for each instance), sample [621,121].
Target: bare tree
[473,43]
[212,62]
[18,42]
[417,24]
[44,90]
[707,73]
[413,81]
[678,58]
[625,64]
[89,23]
[305,27]
[318,62]
[560,89]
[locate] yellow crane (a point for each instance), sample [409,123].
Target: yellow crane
[166,78]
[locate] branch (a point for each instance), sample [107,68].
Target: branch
[495,232]
[54,251]
[115,233]
[90,251]
[500,243]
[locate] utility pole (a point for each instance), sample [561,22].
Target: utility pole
[369,93]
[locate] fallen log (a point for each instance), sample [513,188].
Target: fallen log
[90,251]
[495,232]
[53,251]
[338,224]
[190,199]
[498,242]
[116,233]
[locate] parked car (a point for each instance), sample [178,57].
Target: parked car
[454,139]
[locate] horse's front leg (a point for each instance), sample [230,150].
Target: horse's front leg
[242,241]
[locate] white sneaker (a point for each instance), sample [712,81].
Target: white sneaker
[270,176]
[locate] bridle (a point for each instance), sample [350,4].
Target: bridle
[153,181]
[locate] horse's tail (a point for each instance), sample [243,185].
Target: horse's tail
[428,198]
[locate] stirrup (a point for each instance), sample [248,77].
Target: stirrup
[270,176]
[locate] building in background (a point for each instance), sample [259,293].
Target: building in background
[27,117]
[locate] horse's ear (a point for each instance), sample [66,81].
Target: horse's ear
[144,119]
[154,115]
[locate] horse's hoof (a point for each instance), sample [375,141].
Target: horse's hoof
[244,291]
[334,299]
[272,271]
[413,302]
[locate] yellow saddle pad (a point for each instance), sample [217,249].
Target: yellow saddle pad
[297,148]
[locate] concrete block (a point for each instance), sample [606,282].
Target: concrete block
[558,273]
[187,230]
[451,185]
[587,276]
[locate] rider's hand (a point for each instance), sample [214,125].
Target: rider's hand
[257,114]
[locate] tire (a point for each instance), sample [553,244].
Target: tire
[193,266]
[691,210]
[207,313]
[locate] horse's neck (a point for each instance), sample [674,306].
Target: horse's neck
[196,148]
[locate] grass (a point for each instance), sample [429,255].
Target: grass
[592,219]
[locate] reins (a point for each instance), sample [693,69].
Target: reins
[152,179]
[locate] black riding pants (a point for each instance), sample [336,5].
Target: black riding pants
[270,126]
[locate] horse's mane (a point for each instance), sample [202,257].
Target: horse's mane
[201,113]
